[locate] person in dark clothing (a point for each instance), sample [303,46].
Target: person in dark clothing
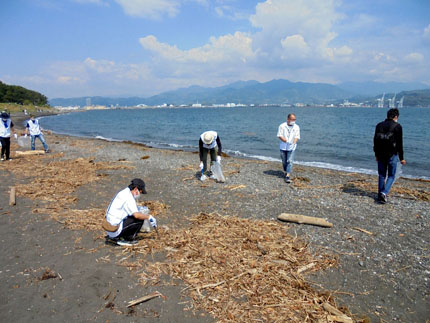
[209,143]
[388,148]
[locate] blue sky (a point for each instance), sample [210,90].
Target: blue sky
[70,48]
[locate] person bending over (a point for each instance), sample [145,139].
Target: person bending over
[209,144]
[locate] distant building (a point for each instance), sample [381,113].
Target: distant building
[88,102]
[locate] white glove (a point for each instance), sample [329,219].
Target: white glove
[15,136]
[201,165]
[218,159]
[152,221]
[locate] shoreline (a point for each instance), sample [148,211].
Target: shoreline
[175,147]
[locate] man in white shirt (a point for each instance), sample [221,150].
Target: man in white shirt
[6,128]
[123,219]
[33,128]
[288,134]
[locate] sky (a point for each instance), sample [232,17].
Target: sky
[74,48]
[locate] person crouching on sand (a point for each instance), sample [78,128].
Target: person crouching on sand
[288,134]
[123,220]
[209,143]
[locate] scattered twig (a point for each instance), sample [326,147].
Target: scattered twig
[144,299]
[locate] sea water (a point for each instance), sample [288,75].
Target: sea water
[335,138]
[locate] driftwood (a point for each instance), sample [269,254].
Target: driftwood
[12,197]
[338,315]
[30,152]
[144,299]
[303,219]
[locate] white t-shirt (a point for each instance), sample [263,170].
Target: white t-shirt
[34,127]
[213,144]
[5,129]
[122,206]
[289,133]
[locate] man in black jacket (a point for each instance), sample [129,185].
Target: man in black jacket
[388,148]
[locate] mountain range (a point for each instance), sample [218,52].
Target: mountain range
[253,92]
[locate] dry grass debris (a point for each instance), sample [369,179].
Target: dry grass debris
[241,270]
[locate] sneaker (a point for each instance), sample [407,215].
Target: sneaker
[8,158]
[287,179]
[382,198]
[127,243]
[212,176]
[203,178]
[2,159]
[120,241]
[47,151]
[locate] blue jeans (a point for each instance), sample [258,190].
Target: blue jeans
[387,167]
[42,140]
[287,158]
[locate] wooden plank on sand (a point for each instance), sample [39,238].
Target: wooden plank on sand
[303,219]
[12,197]
[30,152]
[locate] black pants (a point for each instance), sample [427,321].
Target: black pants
[5,147]
[130,228]
[205,152]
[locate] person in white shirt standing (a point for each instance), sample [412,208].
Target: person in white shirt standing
[6,128]
[288,134]
[123,220]
[33,128]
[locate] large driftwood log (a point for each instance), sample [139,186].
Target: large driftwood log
[303,219]
[12,197]
[29,152]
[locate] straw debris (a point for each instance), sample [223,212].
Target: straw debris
[242,270]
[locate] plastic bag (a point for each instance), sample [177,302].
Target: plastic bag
[217,171]
[146,225]
[24,142]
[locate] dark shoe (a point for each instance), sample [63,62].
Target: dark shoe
[120,241]
[287,179]
[382,198]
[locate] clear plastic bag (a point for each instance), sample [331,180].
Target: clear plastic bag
[217,171]
[24,141]
[146,225]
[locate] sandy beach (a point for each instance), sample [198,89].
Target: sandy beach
[372,265]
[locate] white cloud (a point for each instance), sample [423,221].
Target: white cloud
[414,58]
[294,46]
[228,48]
[153,9]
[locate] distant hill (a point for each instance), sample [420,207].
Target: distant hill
[249,92]
[20,95]
[418,98]
[376,88]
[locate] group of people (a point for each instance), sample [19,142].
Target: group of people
[7,129]
[126,221]
[123,218]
